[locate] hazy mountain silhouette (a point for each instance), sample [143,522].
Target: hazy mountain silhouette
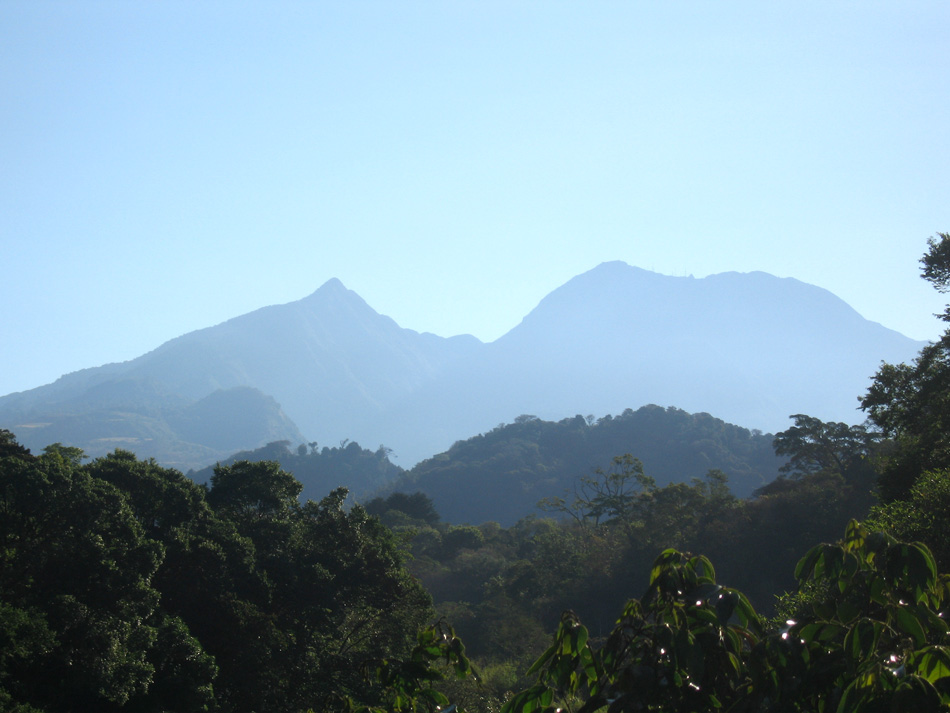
[748,348]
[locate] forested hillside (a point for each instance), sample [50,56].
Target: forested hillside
[322,469]
[598,543]
[502,475]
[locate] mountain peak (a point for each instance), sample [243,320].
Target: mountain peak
[334,292]
[331,286]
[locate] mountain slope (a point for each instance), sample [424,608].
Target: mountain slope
[330,361]
[501,475]
[132,414]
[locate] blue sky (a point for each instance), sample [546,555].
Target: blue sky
[165,166]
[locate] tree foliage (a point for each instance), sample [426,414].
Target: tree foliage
[320,470]
[875,639]
[126,586]
[814,446]
[911,402]
[608,495]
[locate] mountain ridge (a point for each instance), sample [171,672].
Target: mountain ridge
[750,348]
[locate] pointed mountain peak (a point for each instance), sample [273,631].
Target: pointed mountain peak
[331,286]
[334,297]
[333,292]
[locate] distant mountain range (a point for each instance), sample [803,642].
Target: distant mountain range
[748,348]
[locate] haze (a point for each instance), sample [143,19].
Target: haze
[167,166]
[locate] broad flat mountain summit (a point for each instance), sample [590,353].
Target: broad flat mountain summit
[748,348]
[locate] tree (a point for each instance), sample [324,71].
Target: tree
[416,508]
[75,562]
[911,402]
[681,647]
[607,494]
[69,453]
[936,262]
[814,446]
[10,447]
[247,491]
[872,638]
[923,517]
[408,683]
[342,595]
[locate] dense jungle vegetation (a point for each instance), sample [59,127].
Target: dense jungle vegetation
[125,586]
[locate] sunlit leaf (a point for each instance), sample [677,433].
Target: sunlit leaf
[933,663]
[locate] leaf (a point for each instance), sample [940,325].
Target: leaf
[861,640]
[528,700]
[856,694]
[745,613]
[589,665]
[725,604]
[916,694]
[933,664]
[580,638]
[704,568]
[820,631]
[830,563]
[806,565]
[908,623]
[545,657]
[667,558]
[854,535]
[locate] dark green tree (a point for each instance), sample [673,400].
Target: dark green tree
[911,402]
[251,491]
[75,562]
[403,508]
[924,516]
[874,638]
[614,494]
[814,446]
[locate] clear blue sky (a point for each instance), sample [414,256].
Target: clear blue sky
[165,166]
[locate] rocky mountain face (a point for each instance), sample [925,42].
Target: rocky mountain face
[748,348]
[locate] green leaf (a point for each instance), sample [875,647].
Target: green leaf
[806,565]
[545,657]
[917,694]
[580,638]
[906,621]
[529,700]
[933,663]
[861,640]
[856,694]
[820,631]
[667,558]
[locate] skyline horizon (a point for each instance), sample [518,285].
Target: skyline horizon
[332,280]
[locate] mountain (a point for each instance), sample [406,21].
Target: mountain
[502,475]
[137,414]
[750,348]
[332,363]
